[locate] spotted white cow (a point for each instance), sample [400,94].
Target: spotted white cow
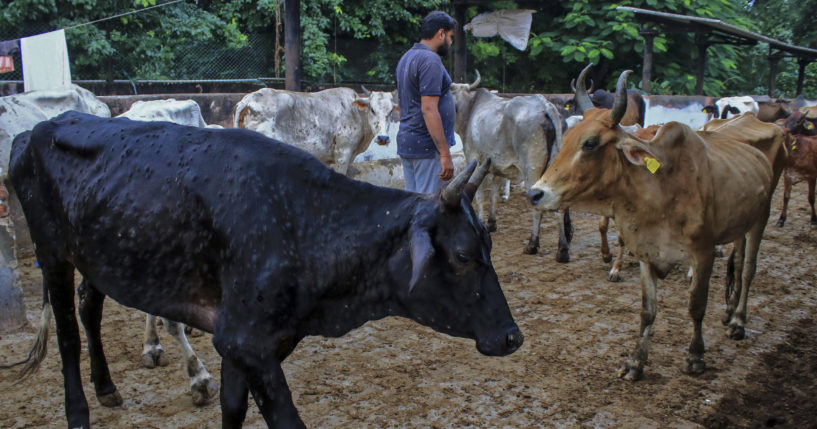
[334,125]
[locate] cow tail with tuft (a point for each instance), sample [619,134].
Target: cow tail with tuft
[38,351]
[240,108]
[556,119]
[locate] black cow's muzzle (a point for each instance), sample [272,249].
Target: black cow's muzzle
[383,140]
[502,342]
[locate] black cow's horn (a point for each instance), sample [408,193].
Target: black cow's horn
[620,105]
[471,86]
[453,192]
[476,179]
[580,92]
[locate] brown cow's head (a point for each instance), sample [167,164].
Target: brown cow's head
[592,156]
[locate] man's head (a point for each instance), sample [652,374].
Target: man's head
[438,31]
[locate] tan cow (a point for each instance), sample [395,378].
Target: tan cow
[673,199]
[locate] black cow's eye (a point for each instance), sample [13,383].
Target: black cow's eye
[590,143]
[462,257]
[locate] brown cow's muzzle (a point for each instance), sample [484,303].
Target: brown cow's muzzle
[543,198]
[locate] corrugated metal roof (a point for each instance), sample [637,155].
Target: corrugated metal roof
[718,25]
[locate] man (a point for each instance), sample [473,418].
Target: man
[427,107]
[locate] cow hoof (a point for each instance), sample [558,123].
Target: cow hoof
[718,254]
[491,225]
[531,249]
[781,222]
[614,277]
[154,358]
[630,372]
[606,258]
[736,332]
[203,391]
[813,225]
[110,400]
[694,365]
[563,256]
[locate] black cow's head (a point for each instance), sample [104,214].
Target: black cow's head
[450,284]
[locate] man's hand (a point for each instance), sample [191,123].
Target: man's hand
[447,168]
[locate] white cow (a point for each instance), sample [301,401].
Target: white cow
[202,385]
[728,107]
[520,135]
[334,125]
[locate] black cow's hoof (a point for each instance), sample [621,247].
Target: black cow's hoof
[203,391]
[110,400]
[563,256]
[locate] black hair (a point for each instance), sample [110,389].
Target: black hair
[434,21]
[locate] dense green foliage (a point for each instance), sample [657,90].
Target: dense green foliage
[361,41]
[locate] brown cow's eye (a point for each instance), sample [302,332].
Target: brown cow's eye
[590,144]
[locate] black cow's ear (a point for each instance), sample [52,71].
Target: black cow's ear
[421,253]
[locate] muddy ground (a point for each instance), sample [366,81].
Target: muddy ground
[578,329]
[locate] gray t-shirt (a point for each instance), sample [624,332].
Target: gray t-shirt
[421,72]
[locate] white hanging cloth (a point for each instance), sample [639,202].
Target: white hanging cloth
[512,25]
[45,61]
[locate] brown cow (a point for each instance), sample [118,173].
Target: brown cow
[772,111]
[801,167]
[673,199]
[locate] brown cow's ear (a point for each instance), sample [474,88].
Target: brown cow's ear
[640,154]
[421,253]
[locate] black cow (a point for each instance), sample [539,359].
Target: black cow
[247,238]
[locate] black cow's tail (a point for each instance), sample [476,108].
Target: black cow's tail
[37,353]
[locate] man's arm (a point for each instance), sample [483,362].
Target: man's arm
[431,116]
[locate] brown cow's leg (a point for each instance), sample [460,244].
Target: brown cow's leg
[633,367]
[615,272]
[734,278]
[90,312]
[58,277]
[695,363]
[786,194]
[604,225]
[565,236]
[811,184]
[736,329]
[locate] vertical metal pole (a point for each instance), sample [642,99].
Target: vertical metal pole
[773,60]
[292,40]
[699,84]
[459,43]
[801,73]
[646,74]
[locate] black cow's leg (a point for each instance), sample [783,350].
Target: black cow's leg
[58,277]
[90,312]
[234,392]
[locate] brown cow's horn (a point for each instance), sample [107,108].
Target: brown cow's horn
[476,179]
[472,86]
[452,194]
[580,92]
[620,105]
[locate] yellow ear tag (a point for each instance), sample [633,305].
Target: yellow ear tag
[652,164]
[809,125]
[567,107]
